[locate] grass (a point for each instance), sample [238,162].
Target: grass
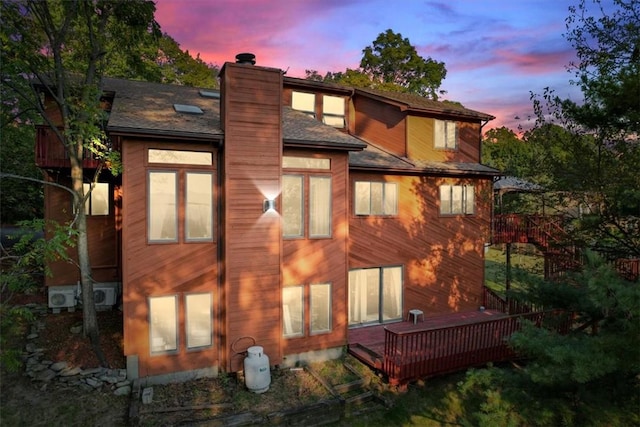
[524,263]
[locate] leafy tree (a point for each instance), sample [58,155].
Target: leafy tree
[64,47]
[179,67]
[393,62]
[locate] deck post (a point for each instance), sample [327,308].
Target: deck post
[508,279]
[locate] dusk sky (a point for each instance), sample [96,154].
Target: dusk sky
[495,51]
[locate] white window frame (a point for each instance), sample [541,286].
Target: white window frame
[285,215]
[333,111]
[388,204]
[154,235]
[305,102]
[203,340]
[449,194]
[374,278]
[445,134]
[163,319]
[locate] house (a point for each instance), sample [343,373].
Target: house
[276,211]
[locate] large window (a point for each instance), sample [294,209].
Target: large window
[457,199]
[375,295]
[333,110]
[300,192]
[376,198]
[305,102]
[320,312]
[198,320]
[163,324]
[98,201]
[445,134]
[165,209]
[293,311]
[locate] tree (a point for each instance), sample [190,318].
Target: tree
[63,47]
[179,67]
[392,61]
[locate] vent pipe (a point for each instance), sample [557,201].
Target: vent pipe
[246,58]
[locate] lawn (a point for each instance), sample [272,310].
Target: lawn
[525,262]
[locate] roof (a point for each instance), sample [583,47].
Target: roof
[417,103]
[508,184]
[143,108]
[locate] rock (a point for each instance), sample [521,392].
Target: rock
[32,336]
[147,395]
[30,347]
[58,366]
[46,375]
[92,371]
[69,372]
[123,391]
[76,329]
[123,383]
[38,368]
[95,383]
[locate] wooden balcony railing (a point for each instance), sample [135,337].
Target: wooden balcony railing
[412,355]
[543,230]
[50,153]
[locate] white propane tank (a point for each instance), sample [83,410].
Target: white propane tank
[257,375]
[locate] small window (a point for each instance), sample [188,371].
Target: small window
[290,162]
[98,201]
[163,324]
[198,158]
[162,212]
[293,311]
[376,198]
[320,310]
[305,102]
[292,206]
[199,206]
[445,135]
[199,320]
[333,111]
[457,199]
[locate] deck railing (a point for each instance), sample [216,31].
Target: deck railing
[417,354]
[50,153]
[542,230]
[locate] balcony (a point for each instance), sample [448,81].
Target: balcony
[50,153]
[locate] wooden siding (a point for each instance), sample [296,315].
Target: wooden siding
[443,256]
[103,233]
[381,124]
[251,255]
[163,268]
[420,141]
[312,261]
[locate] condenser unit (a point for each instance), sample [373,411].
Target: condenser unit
[62,297]
[104,295]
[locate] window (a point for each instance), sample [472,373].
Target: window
[376,198]
[198,320]
[98,201]
[320,311]
[305,163]
[163,210]
[375,295]
[305,102]
[293,311]
[333,111]
[294,204]
[199,206]
[163,324]
[445,134]
[457,199]
[180,157]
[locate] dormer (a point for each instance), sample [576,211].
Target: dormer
[328,103]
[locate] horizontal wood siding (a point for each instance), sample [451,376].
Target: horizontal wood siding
[381,124]
[443,256]
[252,239]
[102,234]
[313,261]
[420,141]
[162,268]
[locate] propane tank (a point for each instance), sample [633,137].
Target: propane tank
[257,376]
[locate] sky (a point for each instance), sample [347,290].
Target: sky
[496,52]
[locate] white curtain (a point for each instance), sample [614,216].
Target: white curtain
[319,206]
[162,206]
[199,209]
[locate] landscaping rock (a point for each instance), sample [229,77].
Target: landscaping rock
[59,366]
[123,391]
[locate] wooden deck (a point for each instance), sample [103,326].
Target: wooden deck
[406,351]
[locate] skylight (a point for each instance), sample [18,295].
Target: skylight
[189,109]
[209,94]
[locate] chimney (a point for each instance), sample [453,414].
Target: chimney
[246,58]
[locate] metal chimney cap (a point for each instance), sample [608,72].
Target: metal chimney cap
[246,58]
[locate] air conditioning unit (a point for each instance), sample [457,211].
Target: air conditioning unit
[104,295]
[62,297]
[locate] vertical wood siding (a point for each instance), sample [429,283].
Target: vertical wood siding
[252,240]
[443,256]
[381,124]
[312,261]
[160,269]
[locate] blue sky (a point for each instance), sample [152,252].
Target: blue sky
[496,51]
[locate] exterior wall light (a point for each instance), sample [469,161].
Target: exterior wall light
[269,205]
